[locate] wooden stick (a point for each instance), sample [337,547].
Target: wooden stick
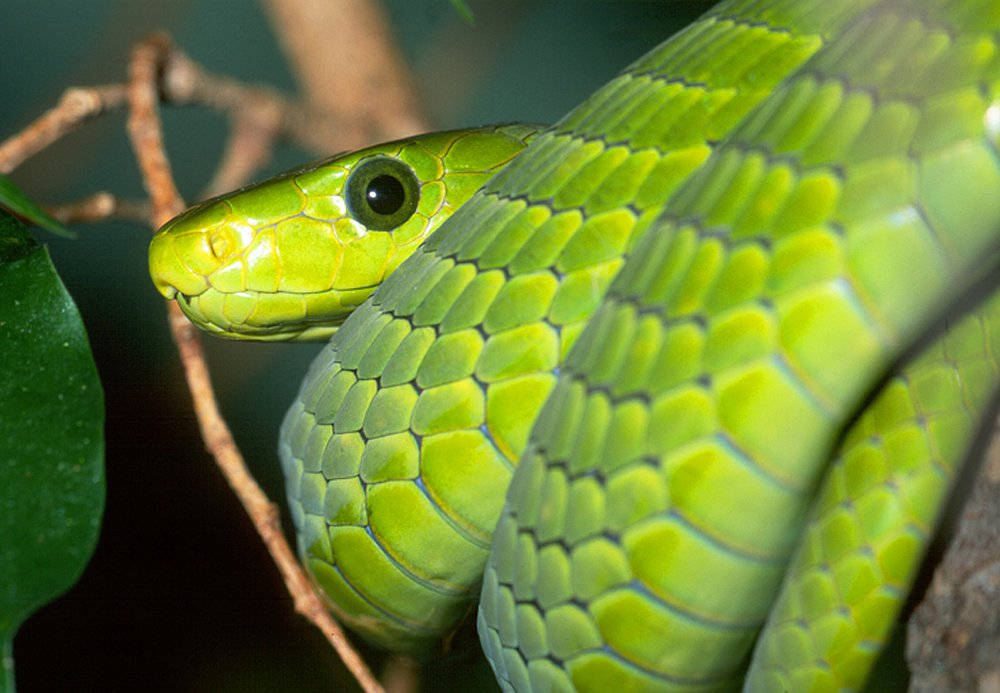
[78,104]
[347,108]
[147,141]
[100,206]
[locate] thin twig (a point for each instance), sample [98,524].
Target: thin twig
[248,149]
[377,102]
[144,129]
[145,132]
[264,514]
[350,109]
[77,105]
[185,82]
[100,206]
[361,76]
[252,108]
[343,117]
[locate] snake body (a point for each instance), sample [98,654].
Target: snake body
[661,315]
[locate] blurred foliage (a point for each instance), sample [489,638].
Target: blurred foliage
[463,10]
[12,199]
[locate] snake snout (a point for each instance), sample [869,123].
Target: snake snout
[178,263]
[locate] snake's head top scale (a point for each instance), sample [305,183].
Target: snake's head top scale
[291,257]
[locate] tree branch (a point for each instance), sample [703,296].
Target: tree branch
[349,112]
[358,91]
[77,105]
[147,141]
[100,206]
[953,638]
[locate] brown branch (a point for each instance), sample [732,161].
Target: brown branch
[78,104]
[338,122]
[346,108]
[261,115]
[145,132]
[100,206]
[953,638]
[264,514]
[185,82]
[248,149]
[350,115]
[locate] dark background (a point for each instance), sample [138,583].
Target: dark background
[180,594]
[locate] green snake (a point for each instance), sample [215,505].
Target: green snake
[663,383]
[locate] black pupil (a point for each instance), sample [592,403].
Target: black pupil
[385,194]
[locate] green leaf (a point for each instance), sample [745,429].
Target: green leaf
[17,202]
[51,437]
[463,9]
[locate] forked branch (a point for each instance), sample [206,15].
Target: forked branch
[337,115]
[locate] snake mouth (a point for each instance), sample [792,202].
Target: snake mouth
[270,316]
[184,302]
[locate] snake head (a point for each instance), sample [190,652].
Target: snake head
[291,257]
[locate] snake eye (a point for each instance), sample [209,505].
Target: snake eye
[382,193]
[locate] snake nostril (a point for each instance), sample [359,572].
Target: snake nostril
[221,243]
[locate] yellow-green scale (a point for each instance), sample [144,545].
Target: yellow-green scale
[477,320]
[858,555]
[737,339]
[790,189]
[287,259]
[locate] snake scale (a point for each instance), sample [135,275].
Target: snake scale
[689,326]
